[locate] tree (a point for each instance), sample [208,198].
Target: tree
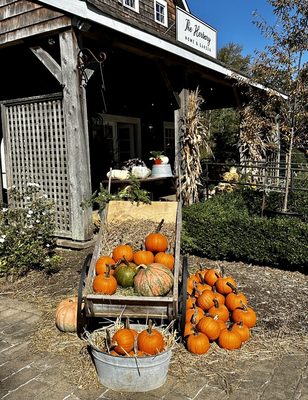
[281,67]
[225,123]
[231,55]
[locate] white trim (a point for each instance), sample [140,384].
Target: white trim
[136,8]
[80,9]
[186,6]
[163,4]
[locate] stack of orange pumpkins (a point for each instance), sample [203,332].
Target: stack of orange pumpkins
[216,312]
[148,270]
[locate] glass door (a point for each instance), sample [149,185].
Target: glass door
[125,148]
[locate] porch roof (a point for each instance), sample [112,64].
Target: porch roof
[202,66]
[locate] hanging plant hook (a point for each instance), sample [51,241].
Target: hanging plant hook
[87,62]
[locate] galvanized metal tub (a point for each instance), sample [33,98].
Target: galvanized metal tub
[132,374]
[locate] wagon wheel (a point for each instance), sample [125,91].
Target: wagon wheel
[82,319]
[183,296]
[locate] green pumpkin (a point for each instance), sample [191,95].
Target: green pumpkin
[125,273]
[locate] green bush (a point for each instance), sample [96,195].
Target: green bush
[26,232]
[222,228]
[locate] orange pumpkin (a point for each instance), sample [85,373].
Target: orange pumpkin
[105,283]
[246,315]
[101,264]
[221,323]
[198,343]
[196,312]
[220,297]
[189,329]
[220,310]
[123,339]
[190,302]
[66,315]
[235,300]
[211,276]
[242,330]
[210,327]
[229,340]
[156,242]
[150,341]
[206,300]
[192,281]
[222,285]
[123,251]
[143,257]
[166,259]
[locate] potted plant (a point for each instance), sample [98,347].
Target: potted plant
[158,157]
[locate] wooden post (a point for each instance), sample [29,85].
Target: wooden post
[77,137]
[1,181]
[178,114]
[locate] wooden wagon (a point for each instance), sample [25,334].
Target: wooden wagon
[123,219]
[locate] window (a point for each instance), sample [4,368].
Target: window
[132,4]
[160,12]
[169,145]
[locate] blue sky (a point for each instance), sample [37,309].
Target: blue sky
[233,21]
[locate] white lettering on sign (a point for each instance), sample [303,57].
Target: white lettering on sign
[195,33]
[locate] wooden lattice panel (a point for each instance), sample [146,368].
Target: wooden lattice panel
[37,153]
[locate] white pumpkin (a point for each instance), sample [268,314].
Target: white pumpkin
[120,174]
[164,159]
[141,172]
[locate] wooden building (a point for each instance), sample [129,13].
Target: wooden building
[88,84]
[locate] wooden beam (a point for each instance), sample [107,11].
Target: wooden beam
[173,95]
[77,137]
[49,62]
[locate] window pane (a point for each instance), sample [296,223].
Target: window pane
[130,3]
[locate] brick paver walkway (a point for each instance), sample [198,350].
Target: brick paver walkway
[26,376]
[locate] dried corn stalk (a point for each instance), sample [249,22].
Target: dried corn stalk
[195,135]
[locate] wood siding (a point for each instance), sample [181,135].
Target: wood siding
[21,18]
[143,20]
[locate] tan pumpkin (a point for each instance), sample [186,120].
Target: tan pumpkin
[153,280]
[66,315]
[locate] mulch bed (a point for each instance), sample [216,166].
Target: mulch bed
[278,296]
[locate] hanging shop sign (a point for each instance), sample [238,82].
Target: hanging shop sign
[195,33]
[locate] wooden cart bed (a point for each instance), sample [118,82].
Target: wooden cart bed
[123,216]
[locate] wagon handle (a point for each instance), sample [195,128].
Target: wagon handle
[81,318]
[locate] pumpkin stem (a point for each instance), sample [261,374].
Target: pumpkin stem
[150,327]
[232,287]
[141,266]
[216,303]
[108,268]
[159,226]
[125,261]
[243,305]
[135,346]
[126,324]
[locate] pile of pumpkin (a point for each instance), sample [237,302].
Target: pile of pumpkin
[148,270]
[216,312]
[129,342]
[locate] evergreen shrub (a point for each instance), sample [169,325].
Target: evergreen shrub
[224,228]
